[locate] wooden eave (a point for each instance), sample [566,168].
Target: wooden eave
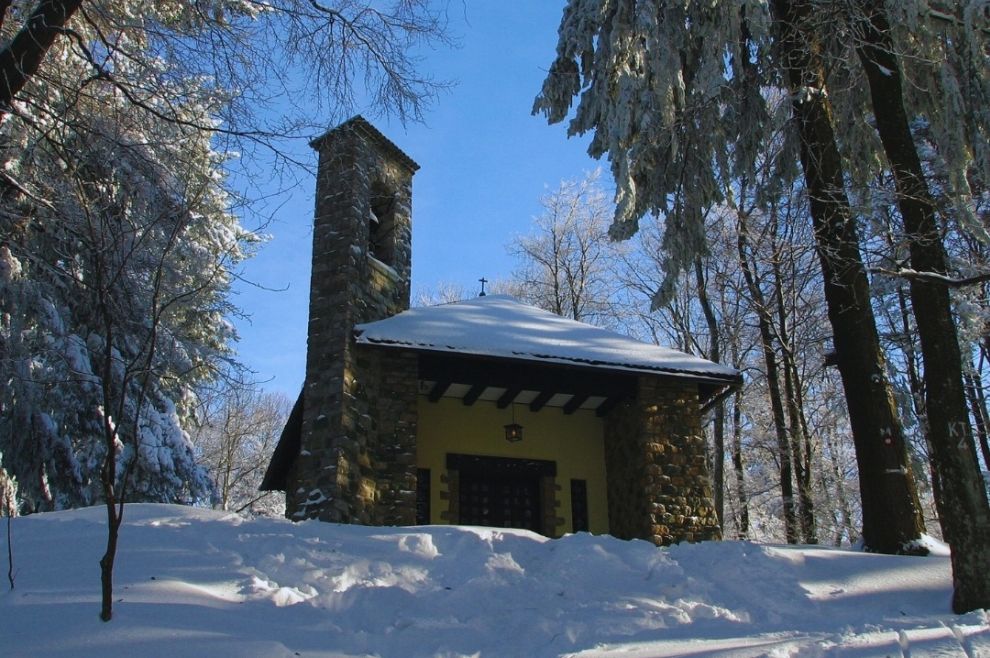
[537,384]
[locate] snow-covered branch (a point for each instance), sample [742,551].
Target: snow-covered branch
[933,277]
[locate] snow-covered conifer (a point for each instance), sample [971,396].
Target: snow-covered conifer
[114,272]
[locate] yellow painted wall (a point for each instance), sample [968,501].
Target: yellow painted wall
[573,441]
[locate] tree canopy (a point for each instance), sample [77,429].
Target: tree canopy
[680,97]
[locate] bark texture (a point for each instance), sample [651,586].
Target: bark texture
[892,518]
[21,59]
[962,503]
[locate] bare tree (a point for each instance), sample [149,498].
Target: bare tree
[891,511]
[564,264]
[135,300]
[125,368]
[964,512]
[785,459]
[265,52]
[236,434]
[446,292]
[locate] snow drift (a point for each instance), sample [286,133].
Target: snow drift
[193,582]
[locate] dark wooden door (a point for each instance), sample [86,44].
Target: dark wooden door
[500,500]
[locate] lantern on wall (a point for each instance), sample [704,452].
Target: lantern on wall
[513,431]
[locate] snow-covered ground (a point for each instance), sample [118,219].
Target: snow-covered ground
[193,582]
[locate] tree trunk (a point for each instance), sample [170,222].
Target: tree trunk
[802,471]
[4,6]
[21,59]
[8,506]
[915,385]
[742,532]
[114,518]
[784,457]
[10,554]
[892,520]
[800,447]
[718,419]
[840,494]
[978,406]
[962,504]
[911,362]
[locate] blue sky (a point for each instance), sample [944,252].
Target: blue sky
[484,162]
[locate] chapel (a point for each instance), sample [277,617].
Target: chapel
[483,412]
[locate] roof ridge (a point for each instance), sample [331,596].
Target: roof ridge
[514,331]
[361,125]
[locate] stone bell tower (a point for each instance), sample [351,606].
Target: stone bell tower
[362,239]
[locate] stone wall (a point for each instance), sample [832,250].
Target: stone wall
[385,410]
[626,473]
[659,486]
[334,476]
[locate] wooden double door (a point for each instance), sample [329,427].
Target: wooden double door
[501,492]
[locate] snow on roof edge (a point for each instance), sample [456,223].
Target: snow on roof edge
[680,373]
[501,327]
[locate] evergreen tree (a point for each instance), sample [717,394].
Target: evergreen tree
[118,251]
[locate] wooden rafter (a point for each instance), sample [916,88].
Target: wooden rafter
[439,388]
[607,406]
[524,375]
[508,397]
[473,394]
[575,403]
[540,400]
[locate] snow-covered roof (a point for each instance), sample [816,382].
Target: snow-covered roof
[502,327]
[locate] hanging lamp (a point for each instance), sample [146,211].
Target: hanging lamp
[513,431]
